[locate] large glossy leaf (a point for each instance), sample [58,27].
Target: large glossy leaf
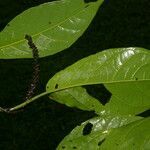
[54,26]
[124,71]
[117,132]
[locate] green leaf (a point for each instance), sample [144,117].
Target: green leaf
[94,133]
[124,71]
[54,26]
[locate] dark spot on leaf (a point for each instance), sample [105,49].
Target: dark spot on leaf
[117,144]
[101,142]
[87,129]
[145,113]
[136,78]
[99,92]
[49,22]
[63,147]
[8,24]
[47,87]
[74,147]
[56,86]
[87,1]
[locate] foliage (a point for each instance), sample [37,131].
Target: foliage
[125,72]
[48,24]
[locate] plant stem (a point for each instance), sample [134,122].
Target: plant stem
[27,102]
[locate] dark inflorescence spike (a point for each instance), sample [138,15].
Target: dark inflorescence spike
[36,68]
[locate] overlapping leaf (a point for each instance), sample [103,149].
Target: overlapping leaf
[124,71]
[54,26]
[113,133]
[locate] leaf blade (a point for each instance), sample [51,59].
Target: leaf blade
[102,127]
[111,67]
[54,27]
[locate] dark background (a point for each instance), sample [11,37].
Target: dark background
[44,123]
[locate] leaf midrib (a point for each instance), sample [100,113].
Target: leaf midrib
[112,82]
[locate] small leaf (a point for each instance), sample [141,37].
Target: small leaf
[102,129]
[125,72]
[54,26]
